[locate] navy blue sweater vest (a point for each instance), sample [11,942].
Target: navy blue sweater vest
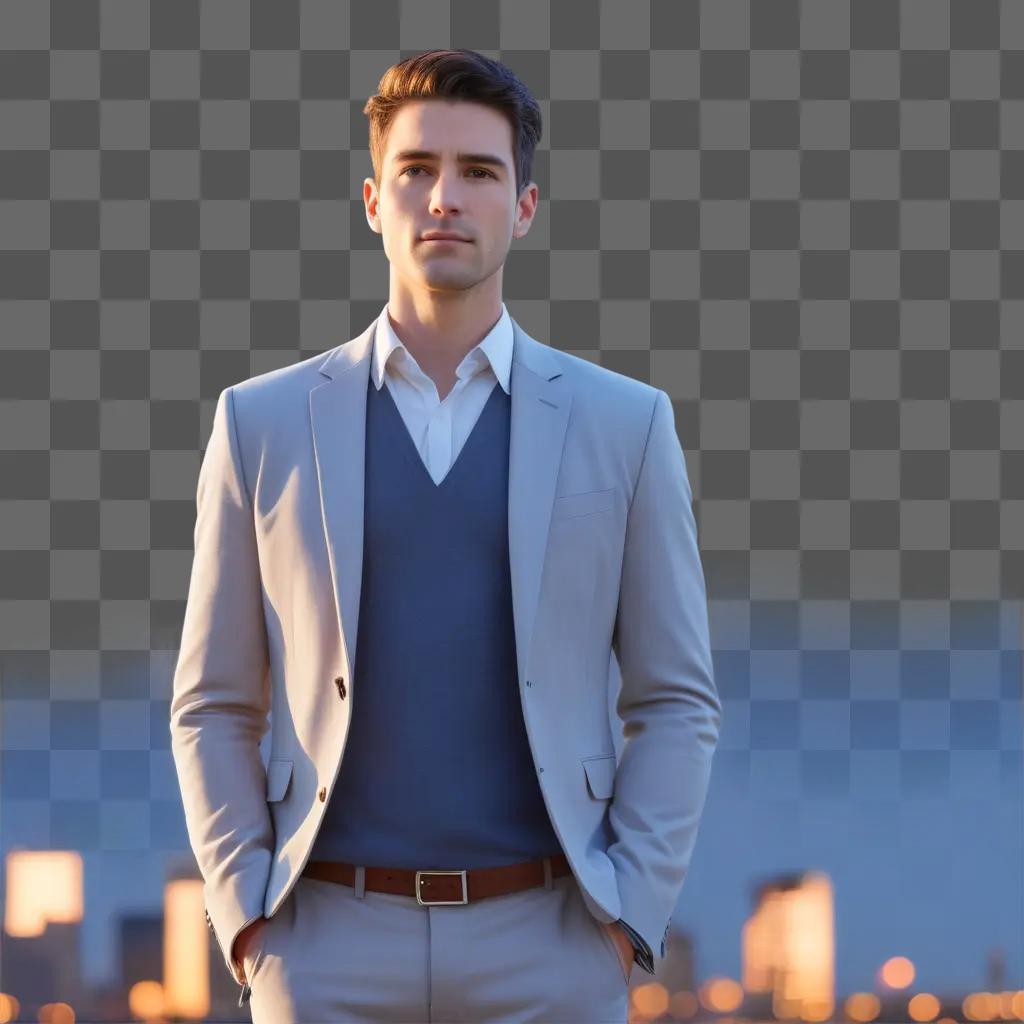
[437,771]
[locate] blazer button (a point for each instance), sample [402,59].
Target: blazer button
[340,684]
[323,794]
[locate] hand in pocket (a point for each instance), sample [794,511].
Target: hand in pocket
[246,941]
[624,946]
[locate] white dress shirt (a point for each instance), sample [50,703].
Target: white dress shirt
[439,428]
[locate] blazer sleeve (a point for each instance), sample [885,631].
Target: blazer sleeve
[221,695]
[668,700]
[642,954]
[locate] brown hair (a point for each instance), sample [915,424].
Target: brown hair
[456,75]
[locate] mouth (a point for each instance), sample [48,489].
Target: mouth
[464,241]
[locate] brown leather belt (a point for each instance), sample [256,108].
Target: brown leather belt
[442,888]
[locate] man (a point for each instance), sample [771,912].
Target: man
[447,830]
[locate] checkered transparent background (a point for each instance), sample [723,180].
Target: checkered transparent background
[804,221]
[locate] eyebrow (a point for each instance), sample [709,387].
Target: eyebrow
[466,158]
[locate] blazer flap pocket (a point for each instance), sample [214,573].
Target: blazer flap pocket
[279,773]
[600,775]
[583,503]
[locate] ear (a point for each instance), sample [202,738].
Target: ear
[526,209]
[371,201]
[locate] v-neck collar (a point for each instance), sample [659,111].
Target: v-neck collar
[409,445]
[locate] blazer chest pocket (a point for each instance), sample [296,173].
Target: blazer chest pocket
[583,503]
[279,774]
[600,771]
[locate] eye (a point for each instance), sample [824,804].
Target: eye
[419,167]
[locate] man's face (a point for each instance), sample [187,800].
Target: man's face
[471,198]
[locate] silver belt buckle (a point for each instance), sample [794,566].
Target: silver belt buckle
[441,903]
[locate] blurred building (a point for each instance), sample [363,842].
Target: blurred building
[196,981]
[788,949]
[43,899]
[140,952]
[676,971]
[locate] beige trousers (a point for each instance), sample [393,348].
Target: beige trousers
[336,953]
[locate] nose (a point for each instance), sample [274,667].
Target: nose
[444,196]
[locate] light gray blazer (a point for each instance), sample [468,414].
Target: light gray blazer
[610,619]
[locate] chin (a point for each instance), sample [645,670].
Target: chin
[449,278]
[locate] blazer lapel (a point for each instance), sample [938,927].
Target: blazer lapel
[541,400]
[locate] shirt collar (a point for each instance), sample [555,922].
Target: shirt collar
[495,348]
